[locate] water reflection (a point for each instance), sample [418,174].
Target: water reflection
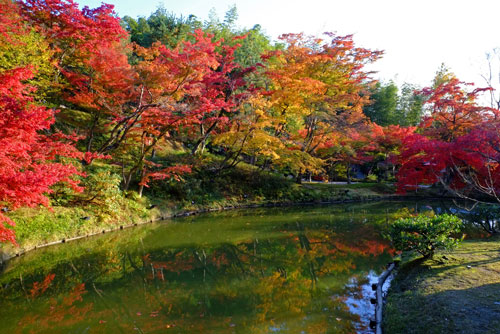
[287,271]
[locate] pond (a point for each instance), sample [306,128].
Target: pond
[275,270]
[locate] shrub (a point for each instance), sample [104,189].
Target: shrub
[425,234]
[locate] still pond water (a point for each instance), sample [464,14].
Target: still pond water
[286,270]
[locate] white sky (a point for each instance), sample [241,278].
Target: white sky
[416,35]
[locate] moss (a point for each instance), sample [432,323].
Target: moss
[456,292]
[38,226]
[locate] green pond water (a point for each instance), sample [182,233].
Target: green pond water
[277,270]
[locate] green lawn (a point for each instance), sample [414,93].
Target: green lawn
[456,292]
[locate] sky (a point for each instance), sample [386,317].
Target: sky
[416,35]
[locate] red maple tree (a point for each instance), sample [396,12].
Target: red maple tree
[31,159]
[440,150]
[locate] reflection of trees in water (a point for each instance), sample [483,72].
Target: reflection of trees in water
[271,283]
[40,314]
[480,219]
[295,283]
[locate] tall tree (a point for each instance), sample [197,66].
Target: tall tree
[434,153]
[315,88]
[162,26]
[181,90]
[92,75]
[383,104]
[491,76]
[410,108]
[454,111]
[443,75]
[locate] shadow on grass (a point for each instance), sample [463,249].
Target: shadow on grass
[455,292]
[468,311]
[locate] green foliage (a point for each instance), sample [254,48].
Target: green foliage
[410,106]
[42,225]
[384,100]
[208,185]
[231,16]
[102,192]
[101,198]
[170,29]
[161,26]
[36,226]
[252,47]
[104,198]
[443,75]
[389,106]
[425,234]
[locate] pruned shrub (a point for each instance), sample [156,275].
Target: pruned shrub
[425,234]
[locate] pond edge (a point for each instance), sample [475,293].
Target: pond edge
[5,257]
[379,296]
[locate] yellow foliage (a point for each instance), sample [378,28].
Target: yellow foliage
[29,49]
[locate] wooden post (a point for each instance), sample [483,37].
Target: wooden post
[380,300]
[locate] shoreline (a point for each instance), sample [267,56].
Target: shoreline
[163,215]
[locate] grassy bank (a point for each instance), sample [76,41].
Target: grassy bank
[242,186]
[456,292]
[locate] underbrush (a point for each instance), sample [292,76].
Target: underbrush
[103,205]
[208,186]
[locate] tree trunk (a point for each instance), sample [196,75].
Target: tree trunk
[203,139]
[126,181]
[298,179]
[348,173]
[141,186]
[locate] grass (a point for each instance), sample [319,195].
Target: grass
[457,292]
[358,189]
[38,226]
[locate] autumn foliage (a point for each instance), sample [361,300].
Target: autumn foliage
[30,161]
[73,88]
[455,145]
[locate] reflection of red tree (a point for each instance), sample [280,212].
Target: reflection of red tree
[177,265]
[332,244]
[56,312]
[181,262]
[364,247]
[219,260]
[39,288]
